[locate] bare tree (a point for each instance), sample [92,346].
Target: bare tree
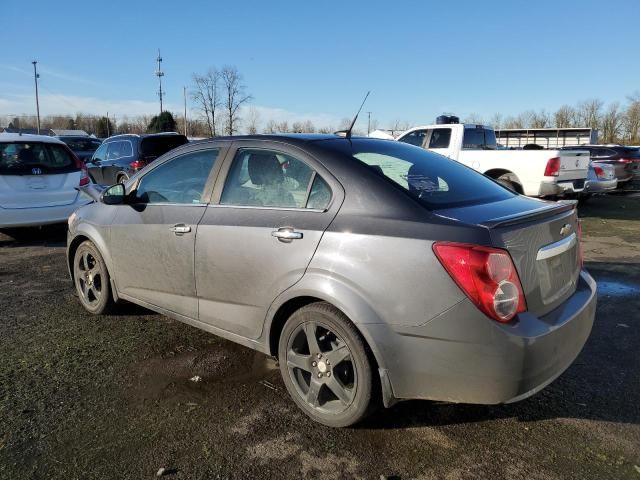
[611,123]
[473,118]
[297,127]
[271,127]
[234,97]
[207,96]
[565,117]
[282,127]
[496,121]
[540,119]
[589,113]
[253,120]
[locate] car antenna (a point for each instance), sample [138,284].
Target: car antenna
[347,133]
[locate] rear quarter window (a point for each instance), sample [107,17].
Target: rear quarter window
[157,146]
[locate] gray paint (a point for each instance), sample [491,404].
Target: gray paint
[370,254]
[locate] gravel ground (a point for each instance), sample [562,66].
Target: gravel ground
[111,396]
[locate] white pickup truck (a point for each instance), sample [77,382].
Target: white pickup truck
[536,173]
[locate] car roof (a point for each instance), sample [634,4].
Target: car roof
[293,138]
[142,135]
[26,137]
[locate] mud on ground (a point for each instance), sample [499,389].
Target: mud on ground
[112,397]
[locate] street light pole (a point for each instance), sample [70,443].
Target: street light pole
[35,77]
[184,92]
[369,124]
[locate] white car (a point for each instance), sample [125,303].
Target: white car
[39,180]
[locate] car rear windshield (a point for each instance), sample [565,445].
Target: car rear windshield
[433,179]
[157,146]
[25,158]
[82,144]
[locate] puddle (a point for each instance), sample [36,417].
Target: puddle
[614,288]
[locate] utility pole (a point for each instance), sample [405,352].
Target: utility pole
[369,124]
[35,77]
[184,92]
[160,74]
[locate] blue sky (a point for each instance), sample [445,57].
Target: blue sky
[317,59]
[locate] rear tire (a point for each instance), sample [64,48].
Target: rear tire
[505,182]
[92,279]
[122,178]
[325,367]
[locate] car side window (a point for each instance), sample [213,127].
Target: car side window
[415,138]
[101,153]
[181,180]
[126,150]
[114,151]
[266,178]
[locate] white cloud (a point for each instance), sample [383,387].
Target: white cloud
[59,104]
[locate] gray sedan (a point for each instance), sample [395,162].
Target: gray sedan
[375,271]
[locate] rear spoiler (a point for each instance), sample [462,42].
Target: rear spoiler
[93,191]
[561,206]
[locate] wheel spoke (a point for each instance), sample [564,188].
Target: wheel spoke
[314,392]
[85,289]
[344,395]
[297,360]
[337,355]
[312,340]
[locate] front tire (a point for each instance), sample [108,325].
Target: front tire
[92,279]
[325,366]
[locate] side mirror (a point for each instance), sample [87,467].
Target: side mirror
[114,195]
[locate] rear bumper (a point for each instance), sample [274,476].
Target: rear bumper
[600,186]
[32,217]
[462,356]
[561,188]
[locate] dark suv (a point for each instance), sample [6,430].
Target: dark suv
[625,160]
[121,156]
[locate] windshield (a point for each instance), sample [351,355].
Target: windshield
[433,179]
[156,146]
[24,158]
[82,144]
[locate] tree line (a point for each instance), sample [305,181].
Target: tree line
[616,122]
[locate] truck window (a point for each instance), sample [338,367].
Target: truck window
[414,138]
[440,138]
[478,138]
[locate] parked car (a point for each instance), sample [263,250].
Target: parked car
[533,172]
[82,146]
[39,180]
[625,160]
[120,156]
[367,267]
[601,179]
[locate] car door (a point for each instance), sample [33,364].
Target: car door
[94,166]
[270,207]
[152,235]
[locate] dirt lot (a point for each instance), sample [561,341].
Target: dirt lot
[111,397]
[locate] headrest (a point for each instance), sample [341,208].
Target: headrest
[265,169]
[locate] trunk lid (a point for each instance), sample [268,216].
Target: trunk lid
[574,165]
[29,191]
[542,240]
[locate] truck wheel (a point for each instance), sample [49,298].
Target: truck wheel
[507,183]
[325,367]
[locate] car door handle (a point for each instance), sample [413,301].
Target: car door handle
[180,229]
[286,234]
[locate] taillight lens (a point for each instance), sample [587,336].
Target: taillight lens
[84,176]
[137,164]
[553,167]
[486,275]
[599,171]
[625,160]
